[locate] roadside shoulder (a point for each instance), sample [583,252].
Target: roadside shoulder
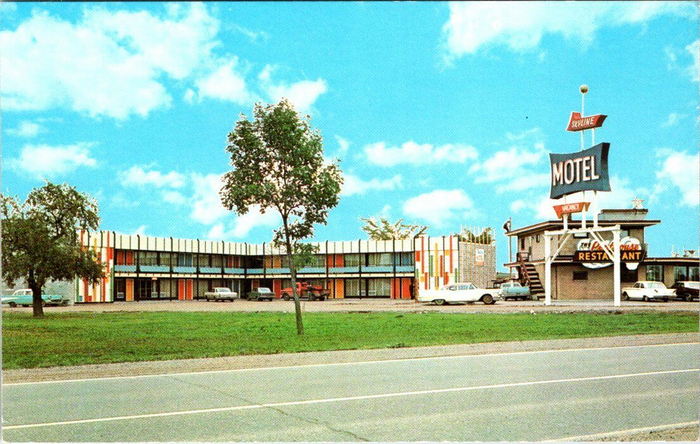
[128,369]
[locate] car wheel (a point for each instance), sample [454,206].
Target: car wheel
[285,297]
[12,304]
[645,299]
[439,301]
[688,298]
[487,299]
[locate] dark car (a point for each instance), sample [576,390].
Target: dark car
[687,290]
[261,294]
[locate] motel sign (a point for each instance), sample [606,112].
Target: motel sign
[580,171]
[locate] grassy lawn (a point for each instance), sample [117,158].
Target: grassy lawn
[90,338]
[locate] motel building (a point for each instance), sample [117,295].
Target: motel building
[141,268]
[578,276]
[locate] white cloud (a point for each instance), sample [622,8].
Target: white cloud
[52,161]
[672,119]
[26,129]
[225,83]
[418,154]
[620,196]
[353,185]
[206,203]
[242,225]
[517,168]
[108,63]
[141,230]
[520,26]
[138,176]
[518,205]
[440,206]
[343,146]
[174,197]
[681,170]
[301,94]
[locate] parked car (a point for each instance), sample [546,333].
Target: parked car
[261,294]
[647,291]
[306,291]
[687,290]
[514,290]
[24,297]
[221,294]
[459,293]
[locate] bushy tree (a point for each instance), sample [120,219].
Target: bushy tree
[382,229]
[40,238]
[278,165]
[485,237]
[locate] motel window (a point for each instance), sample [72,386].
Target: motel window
[694,274]
[680,273]
[352,260]
[655,273]
[184,259]
[217,260]
[374,259]
[378,287]
[203,260]
[537,238]
[317,260]
[147,258]
[580,276]
[403,259]
[522,243]
[352,287]
[165,259]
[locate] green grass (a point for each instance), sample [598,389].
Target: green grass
[90,338]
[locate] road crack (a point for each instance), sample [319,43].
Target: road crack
[279,410]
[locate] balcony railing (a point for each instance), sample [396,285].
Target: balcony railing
[181,269]
[234,270]
[312,270]
[255,271]
[344,269]
[378,269]
[277,270]
[125,268]
[154,268]
[210,270]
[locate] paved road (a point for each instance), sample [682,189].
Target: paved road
[532,396]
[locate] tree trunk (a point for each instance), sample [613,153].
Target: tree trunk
[293,273]
[37,302]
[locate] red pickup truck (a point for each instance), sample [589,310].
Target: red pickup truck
[306,291]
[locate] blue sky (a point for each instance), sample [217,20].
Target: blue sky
[441,114]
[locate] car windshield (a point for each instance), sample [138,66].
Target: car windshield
[691,284]
[656,285]
[264,290]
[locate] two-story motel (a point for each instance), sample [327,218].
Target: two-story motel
[572,279]
[141,267]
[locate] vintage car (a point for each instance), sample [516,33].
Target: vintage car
[648,291]
[514,290]
[459,293]
[221,294]
[261,294]
[23,297]
[687,290]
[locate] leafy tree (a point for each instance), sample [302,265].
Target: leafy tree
[385,230]
[485,237]
[40,238]
[278,164]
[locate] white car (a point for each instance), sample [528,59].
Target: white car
[221,294]
[647,291]
[459,293]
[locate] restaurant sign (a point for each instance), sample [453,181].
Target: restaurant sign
[580,171]
[592,255]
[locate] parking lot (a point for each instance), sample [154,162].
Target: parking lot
[369,305]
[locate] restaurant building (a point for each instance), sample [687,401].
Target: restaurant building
[573,279]
[141,267]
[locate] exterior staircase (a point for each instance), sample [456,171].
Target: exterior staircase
[531,277]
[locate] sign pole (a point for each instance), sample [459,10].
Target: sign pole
[548,269]
[616,266]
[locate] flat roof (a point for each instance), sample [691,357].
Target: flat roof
[558,224]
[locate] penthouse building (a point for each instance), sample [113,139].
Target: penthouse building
[141,267]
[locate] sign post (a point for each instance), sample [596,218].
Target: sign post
[585,170]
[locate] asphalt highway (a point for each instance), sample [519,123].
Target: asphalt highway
[524,396]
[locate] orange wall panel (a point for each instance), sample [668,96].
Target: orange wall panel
[129,290]
[339,292]
[181,289]
[277,287]
[190,289]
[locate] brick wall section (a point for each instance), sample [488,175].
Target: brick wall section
[469,271]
